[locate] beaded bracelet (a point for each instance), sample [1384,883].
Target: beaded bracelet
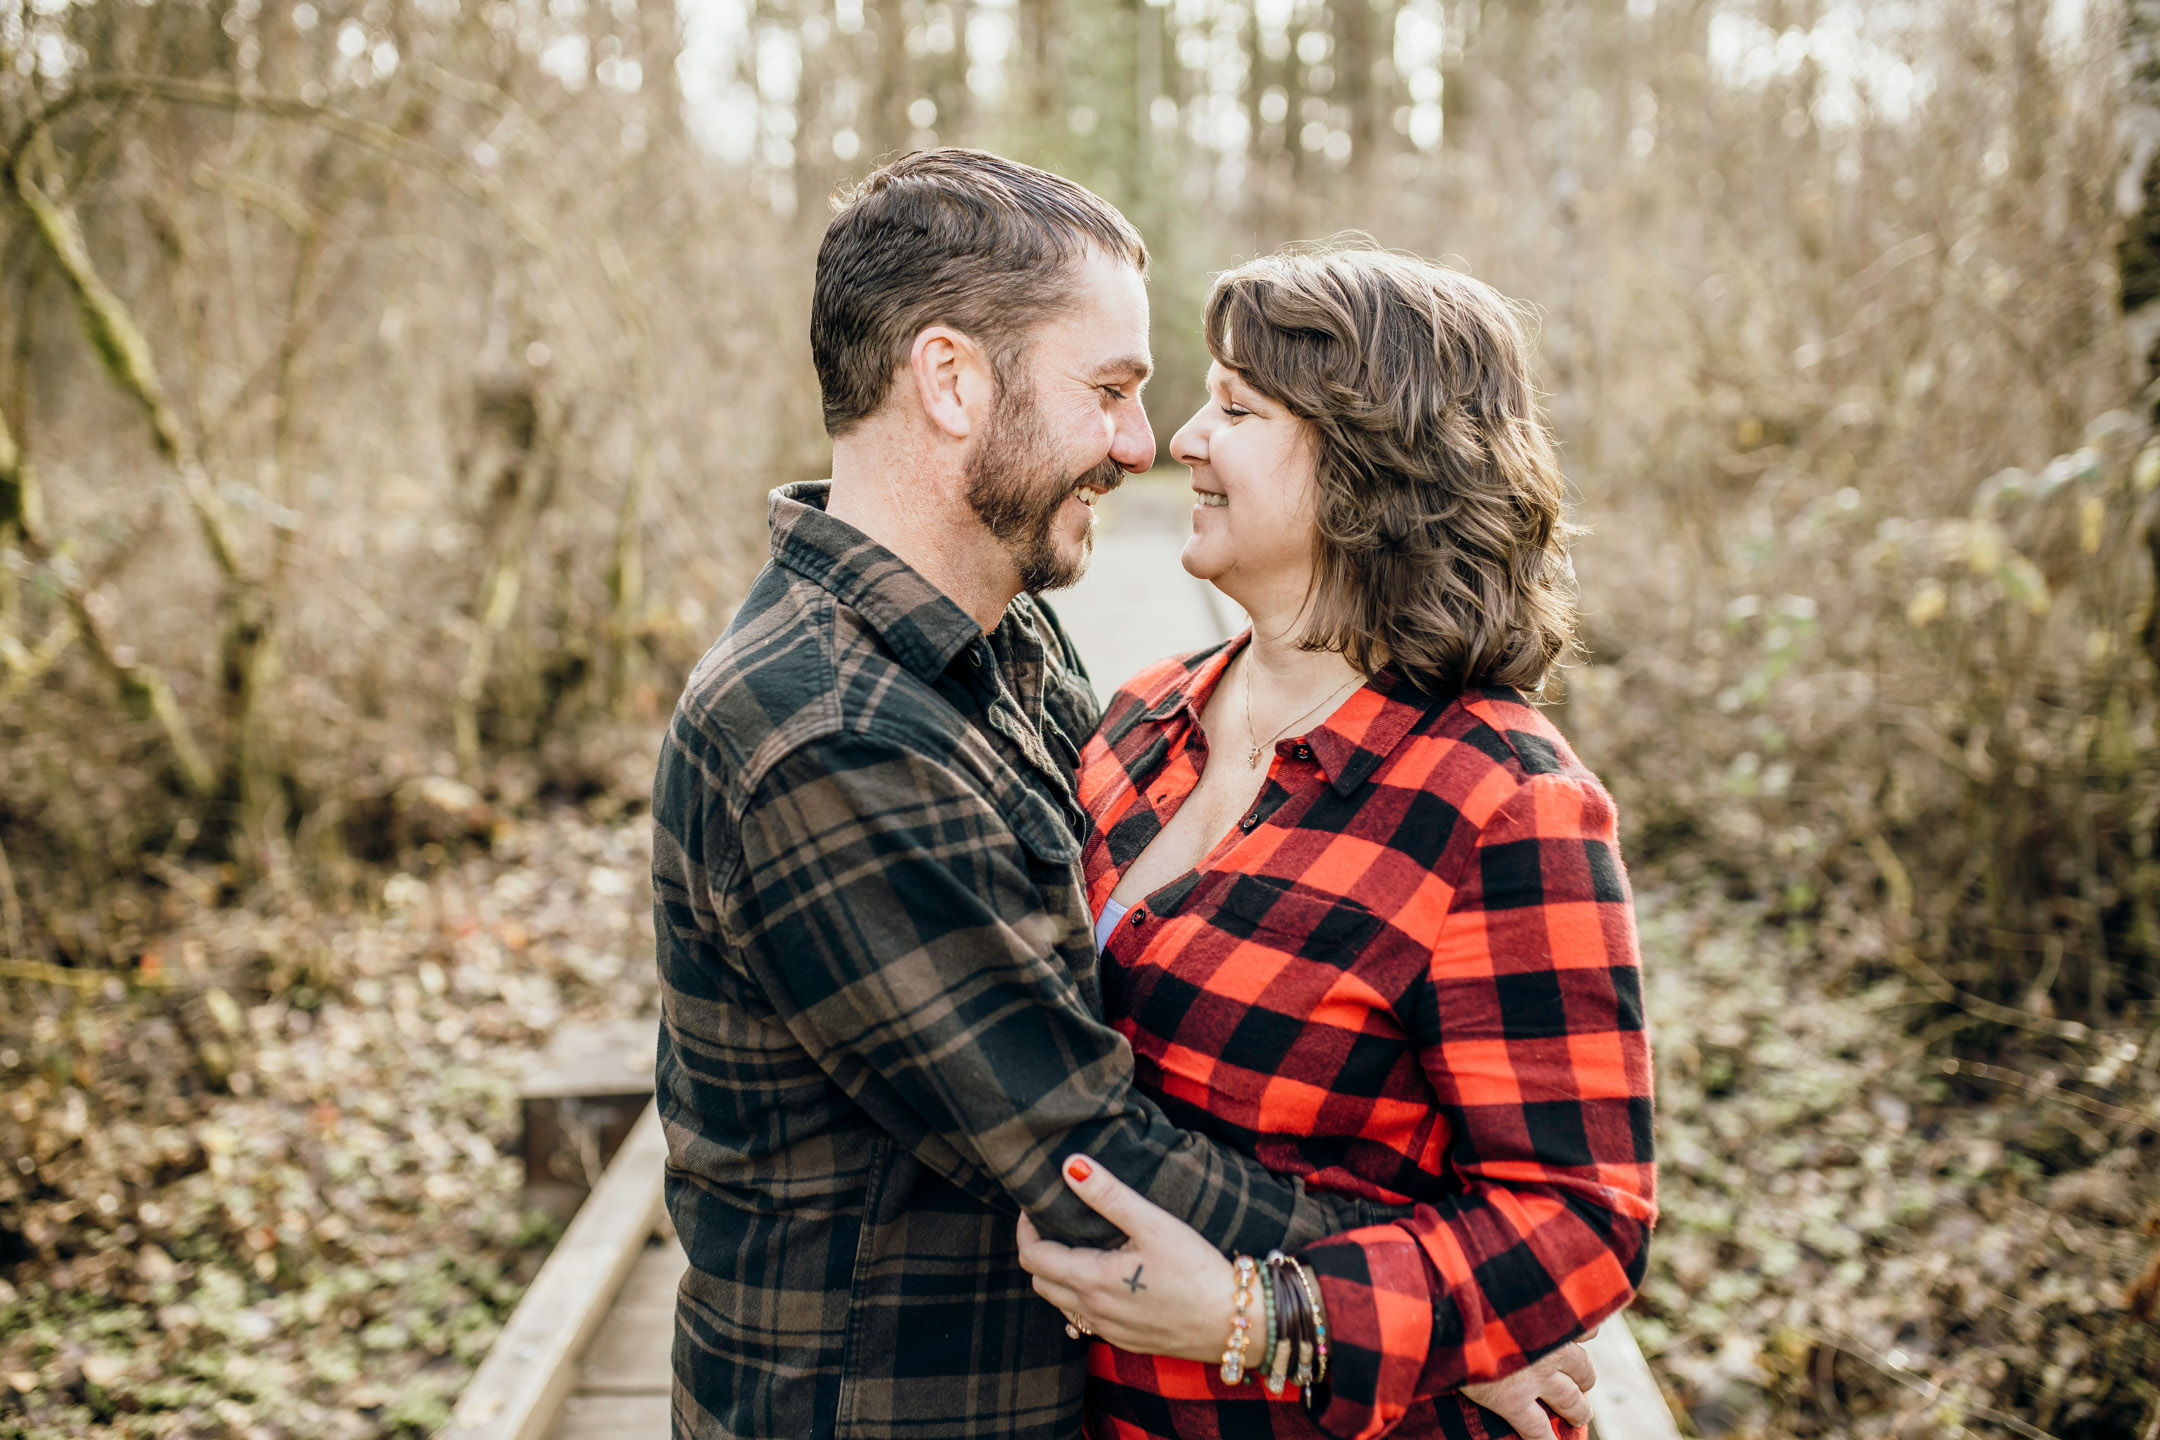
[1268,1332]
[1233,1358]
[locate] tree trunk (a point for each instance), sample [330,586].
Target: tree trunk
[626,572]
[521,489]
[885,127]
[1354,60]
[2137,195]
[2137,192]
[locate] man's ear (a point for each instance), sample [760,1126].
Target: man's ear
[952,380]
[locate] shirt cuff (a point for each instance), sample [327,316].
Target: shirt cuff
[1377,1290]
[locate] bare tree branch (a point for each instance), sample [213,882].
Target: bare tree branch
[484,189]
[143,688]
[11,915]
[126,352]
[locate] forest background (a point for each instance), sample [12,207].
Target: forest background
[388,391]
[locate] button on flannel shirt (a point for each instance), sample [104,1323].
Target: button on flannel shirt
[881,1028]
[1409,973]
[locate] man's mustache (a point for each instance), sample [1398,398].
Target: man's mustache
[1104,477]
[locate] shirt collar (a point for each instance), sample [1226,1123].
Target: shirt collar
[1189,692]
[1365,729]
[918,622]
[1348,746]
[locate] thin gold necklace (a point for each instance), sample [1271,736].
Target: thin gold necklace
[1252,756]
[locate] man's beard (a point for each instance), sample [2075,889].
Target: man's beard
[1016,488]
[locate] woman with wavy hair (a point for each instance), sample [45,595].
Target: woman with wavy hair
[1361,909]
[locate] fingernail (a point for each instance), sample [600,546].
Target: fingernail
[1078,1168]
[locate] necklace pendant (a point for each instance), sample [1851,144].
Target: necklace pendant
[1252,758]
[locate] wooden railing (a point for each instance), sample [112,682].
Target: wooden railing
[533,1364]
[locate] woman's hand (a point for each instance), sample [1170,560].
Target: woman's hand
[1167,1292]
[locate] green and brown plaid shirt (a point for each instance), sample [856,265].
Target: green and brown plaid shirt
[881,1019]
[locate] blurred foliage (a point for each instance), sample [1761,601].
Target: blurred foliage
[1829,316]
[387,393]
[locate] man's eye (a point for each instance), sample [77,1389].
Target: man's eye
[1115,392]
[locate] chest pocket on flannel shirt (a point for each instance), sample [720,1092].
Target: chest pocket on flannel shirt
[1071,706]
[1359,971]
[1042,832]
[1283,916]
[1052,852]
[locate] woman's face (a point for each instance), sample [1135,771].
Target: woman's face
[1254,482]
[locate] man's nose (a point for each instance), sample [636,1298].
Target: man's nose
[1134,444]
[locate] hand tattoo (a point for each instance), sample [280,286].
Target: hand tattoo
[1133,1283]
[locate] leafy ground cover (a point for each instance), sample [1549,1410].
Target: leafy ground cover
[268,1194]
[1866,1235]
[272,1194]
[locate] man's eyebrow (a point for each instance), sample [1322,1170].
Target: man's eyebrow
[1126,367]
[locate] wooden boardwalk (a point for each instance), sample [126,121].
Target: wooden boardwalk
[586,1355]
[621,1392]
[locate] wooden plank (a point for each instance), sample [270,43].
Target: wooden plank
[580,1097]
[1626,1403]
[613,1417]
[595,1057]
[631,1354]
[533,1364]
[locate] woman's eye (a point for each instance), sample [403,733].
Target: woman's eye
[1234,412]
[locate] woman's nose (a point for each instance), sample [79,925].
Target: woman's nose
[1189,445]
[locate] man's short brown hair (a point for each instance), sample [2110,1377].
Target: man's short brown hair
[1442,546]
[947,237]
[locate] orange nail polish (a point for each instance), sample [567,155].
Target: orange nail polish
[1078,1167]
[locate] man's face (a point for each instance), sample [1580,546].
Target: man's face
[1069,427]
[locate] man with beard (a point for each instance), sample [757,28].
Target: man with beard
[881,1031]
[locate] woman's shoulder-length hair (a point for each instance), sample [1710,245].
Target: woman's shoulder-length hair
[1442,546]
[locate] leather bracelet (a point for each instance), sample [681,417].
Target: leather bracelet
[1233,1358]
[1312,1345]
[1320,1320]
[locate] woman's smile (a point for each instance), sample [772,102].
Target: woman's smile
[1241,444]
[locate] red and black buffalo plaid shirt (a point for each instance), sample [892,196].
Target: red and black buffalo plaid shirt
[1409,974]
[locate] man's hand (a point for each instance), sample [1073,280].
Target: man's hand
[1559,1380]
